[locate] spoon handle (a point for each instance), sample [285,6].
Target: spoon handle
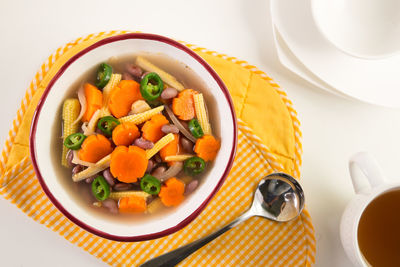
[176,256]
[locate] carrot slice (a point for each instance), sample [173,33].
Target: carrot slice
[132,204]
[207,147]
[128,164]
[124,134]
[173,148]
[123,96]
[183,105]
[94,148]
[94,101]
[152,128]
[171,194]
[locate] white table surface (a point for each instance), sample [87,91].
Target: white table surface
[333,128]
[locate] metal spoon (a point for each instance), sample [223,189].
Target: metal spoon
[278,197]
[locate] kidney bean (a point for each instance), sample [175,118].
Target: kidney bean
[111,205]
[144,74]
[159,171]
[122,187]
[70,156]
[76,169]
[134,70]
[187,144]
[90,179]
[169,128]
[127,76]
[169,93]
[191,186]
[109,177]
[143,143]
[150,166]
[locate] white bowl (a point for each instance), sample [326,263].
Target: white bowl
[363,28]
[56,186]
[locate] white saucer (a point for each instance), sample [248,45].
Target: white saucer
[290,62]
[372,81]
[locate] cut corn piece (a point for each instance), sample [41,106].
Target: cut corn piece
[182,157]
[114,81]
[99,166]
[139,106]
[166,77]
[159,145]
[121,194]
[154,206]
[142,117]
[201,113]
[91,126]
[70,113]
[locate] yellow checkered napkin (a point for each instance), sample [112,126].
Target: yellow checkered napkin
[269,140]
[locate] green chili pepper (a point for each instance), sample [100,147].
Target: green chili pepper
[104,73]
[74,141]
[100,188]
[194,166]
[107,125]
[151,86]
[195,128]
[150,184]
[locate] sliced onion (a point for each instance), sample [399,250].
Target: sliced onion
[172,171]
[179,125]
[82,101]
[76,160]
[91,126]
[84,126]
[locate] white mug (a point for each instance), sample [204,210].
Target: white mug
[365,193]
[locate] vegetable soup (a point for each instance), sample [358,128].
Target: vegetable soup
[136,135]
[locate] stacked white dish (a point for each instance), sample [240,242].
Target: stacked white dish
[305,47]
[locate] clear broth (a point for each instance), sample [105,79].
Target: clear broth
[379,230]
[81,191]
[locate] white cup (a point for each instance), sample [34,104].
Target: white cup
[368,29]
[365,193]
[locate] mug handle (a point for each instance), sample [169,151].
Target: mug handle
[368,165]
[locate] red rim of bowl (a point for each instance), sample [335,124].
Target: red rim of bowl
[36,115]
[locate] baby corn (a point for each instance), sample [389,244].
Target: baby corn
[70,113]
[142,117]
[201,113]
[178,157]
[118,195]
[166,77]
[159,145]
[114,81]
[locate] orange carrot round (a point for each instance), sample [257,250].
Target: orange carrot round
[94,101]
[132,204]
[171,194]
[207,147]
[124,134]
[152,128]
[128,164]
[123,96]
[171,149]
[94,148]
[183,105]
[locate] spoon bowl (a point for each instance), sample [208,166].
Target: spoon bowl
[278,197]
